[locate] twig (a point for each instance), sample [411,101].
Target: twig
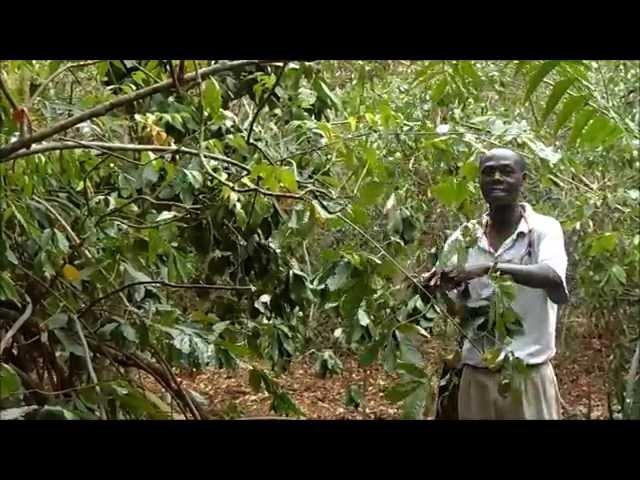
[62,221]
[438,310]
[264,101]
[111,148]
[200,286]
[90,369]
[16,326]
[100,219]
[118,102]
[59,72]
[72,389]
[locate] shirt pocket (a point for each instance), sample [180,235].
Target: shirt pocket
[519,253]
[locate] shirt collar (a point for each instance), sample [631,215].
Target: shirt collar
[523,228]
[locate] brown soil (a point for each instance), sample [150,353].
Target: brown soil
[580,371]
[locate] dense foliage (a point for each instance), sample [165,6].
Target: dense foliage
[178,215]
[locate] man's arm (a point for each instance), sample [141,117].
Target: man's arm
[547,274]
[540,275]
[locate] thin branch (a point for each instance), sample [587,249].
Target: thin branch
[199,286]
[118,102]
[264,101]
[90,369]
[145,226]
[59,72]
[58,217]
[438,310]
[148,199]
[111,148]
[16,326]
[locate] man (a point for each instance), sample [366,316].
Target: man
[515,241]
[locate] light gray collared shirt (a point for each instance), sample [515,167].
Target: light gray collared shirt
[537,239]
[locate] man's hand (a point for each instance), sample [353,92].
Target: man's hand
[455,278]
[451,278]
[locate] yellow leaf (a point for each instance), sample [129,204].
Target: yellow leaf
[159,135]
[70,273]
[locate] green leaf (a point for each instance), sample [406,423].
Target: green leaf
[129,333]
[538,76]
[414,405]
[470,169]
[288,179]
[7,288]
[194,177]
[150,174]
[9,381]
[59,320]
[363,317]
[411,370]
[618,272]
[359,215]
[340,276]
[326,94]
[371,353]
[570,106]
[400,391]
[599,131]
[69,344]
[450,192]
[353,397]
[581,121]
[255,380]
[371,192]
[559,89]
[212,97]
[282,404]
[408,351]
[412,329]
[439,90]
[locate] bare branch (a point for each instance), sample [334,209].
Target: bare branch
[91,370]
[100,110]
[16,326]
[73,144]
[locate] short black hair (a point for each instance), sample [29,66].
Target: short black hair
[519,159]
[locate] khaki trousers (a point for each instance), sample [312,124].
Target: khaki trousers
[478,398]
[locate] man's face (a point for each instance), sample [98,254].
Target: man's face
[501,179]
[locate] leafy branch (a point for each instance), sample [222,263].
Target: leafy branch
[106,147]
[104,108]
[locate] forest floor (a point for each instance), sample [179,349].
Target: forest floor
[580,368]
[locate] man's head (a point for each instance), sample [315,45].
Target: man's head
[502,173]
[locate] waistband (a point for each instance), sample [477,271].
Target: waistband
[534,366]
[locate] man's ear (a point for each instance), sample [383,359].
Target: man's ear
[524,177]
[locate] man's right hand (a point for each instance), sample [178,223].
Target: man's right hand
[439,279]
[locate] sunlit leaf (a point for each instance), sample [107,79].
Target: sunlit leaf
[538,76]
[559,89]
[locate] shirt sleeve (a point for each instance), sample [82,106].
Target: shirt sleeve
[551,251]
